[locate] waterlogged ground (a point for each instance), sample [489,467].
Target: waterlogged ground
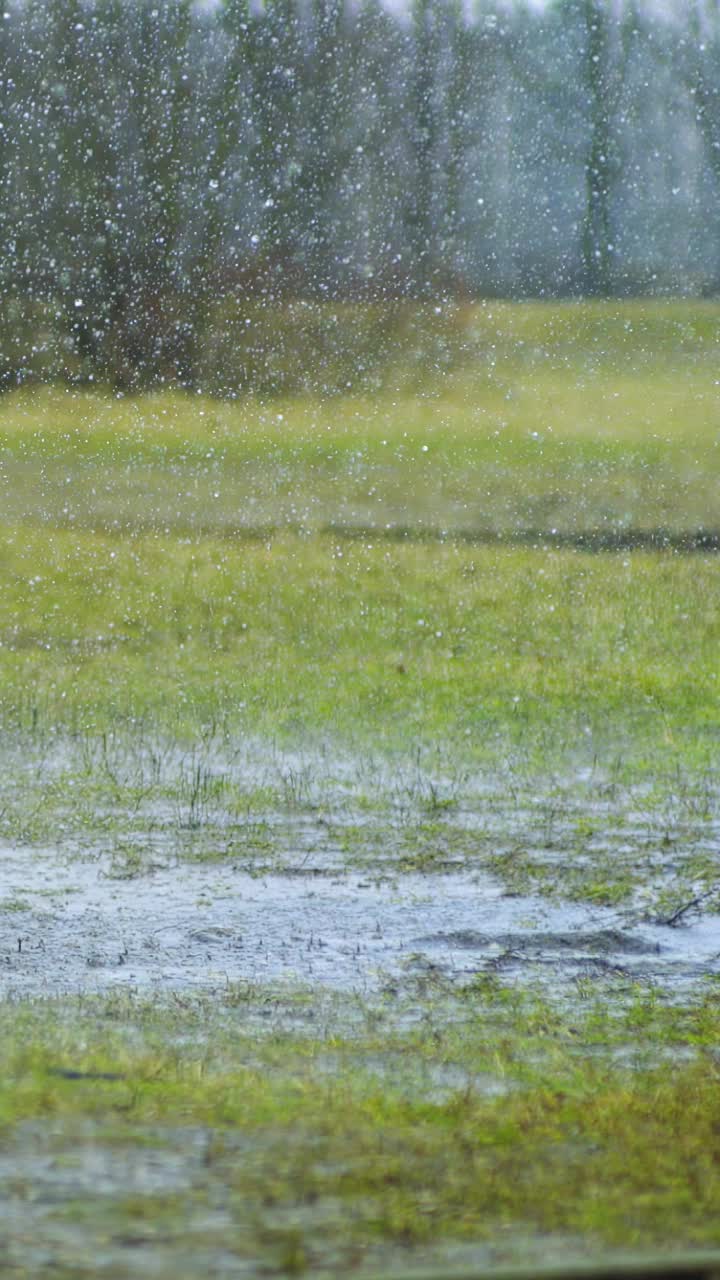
[257,1128]
[193,930]
[174,872]
[360,814]
[367,1017]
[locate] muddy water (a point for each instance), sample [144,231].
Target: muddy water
[67,927]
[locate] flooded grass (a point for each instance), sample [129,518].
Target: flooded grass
[360,886]
[646,846]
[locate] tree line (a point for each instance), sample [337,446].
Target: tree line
[161,160]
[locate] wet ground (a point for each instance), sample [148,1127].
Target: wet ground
[69,927]
[157,1200]
[335,883]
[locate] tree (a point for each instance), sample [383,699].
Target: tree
[607,37]
[701,67]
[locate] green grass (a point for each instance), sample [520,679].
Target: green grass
[260,630]
[147,619]
[568,417]
[365,642]
[448,706]
[498,1116]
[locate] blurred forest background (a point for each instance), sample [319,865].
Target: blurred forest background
[185,187]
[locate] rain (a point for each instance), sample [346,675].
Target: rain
[359,533]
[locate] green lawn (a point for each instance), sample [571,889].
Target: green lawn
[353,620]
[374,644]
[498,1129]
[575,417]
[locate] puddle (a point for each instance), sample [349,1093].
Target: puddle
[73,929]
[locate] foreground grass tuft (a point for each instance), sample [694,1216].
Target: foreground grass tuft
[337,1147]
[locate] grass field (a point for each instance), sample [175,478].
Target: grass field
[375,635]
